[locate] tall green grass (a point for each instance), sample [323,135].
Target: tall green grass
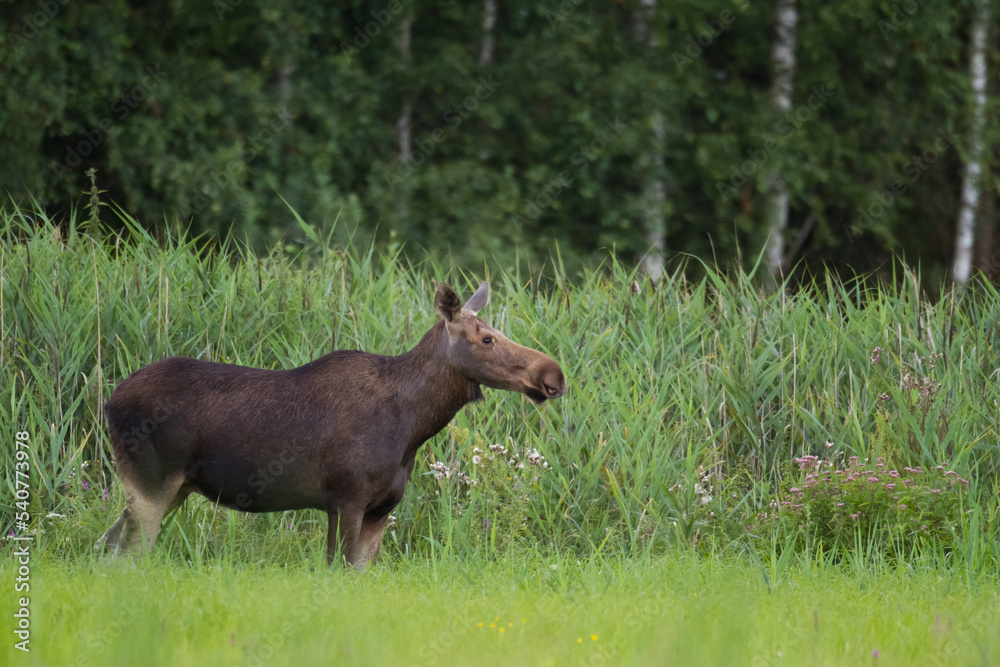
[668,385]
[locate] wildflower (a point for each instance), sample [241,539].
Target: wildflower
[593,638]
[104,494]
[875,653]
[854,517]
[935,490]
[840,504]
[85,485]
[873,480]
[890,487]
[876,355]
[893,473]
[902,506]
[441,470]
[476,460]
[883,397]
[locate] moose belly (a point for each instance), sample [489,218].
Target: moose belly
[276,482]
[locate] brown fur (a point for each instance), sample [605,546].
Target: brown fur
[338,434]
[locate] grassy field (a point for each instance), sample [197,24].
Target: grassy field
[700,505]
[684,610]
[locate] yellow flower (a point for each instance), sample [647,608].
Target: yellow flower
[501,629]
[480,624]
[493,625]
[579,640]
[593,637]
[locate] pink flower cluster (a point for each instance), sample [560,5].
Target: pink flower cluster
[856,481]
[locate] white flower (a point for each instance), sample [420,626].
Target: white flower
[476,460]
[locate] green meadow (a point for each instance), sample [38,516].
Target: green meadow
[733,477]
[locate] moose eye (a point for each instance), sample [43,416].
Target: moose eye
[487,340]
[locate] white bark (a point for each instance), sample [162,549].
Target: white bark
[654,204]
[404,130]
[972,178]
[486,48]
[782,80]
[654,191]
[489,37]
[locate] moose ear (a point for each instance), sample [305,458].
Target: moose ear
[478,300]
[446,302]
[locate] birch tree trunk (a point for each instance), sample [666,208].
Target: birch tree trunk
[486,48]
[489,37]
[654,191]
[404,131]
[972,178]
[782,80]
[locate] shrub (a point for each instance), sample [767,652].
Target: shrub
[897,512]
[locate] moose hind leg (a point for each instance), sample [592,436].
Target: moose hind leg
[136,529]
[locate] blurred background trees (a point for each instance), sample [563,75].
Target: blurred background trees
[514,131]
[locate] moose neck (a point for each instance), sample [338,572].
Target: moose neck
[431,388]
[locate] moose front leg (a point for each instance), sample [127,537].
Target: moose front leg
[370,538]
[345,526]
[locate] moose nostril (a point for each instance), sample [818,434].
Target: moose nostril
[550,390]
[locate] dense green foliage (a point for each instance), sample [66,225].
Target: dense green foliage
[687,405]
[199,115]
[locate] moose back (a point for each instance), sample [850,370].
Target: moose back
[338,434]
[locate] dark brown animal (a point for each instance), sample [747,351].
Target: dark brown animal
[338,434]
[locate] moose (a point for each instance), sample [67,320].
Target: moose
[338,434]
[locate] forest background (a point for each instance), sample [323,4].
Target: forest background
[833,135]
